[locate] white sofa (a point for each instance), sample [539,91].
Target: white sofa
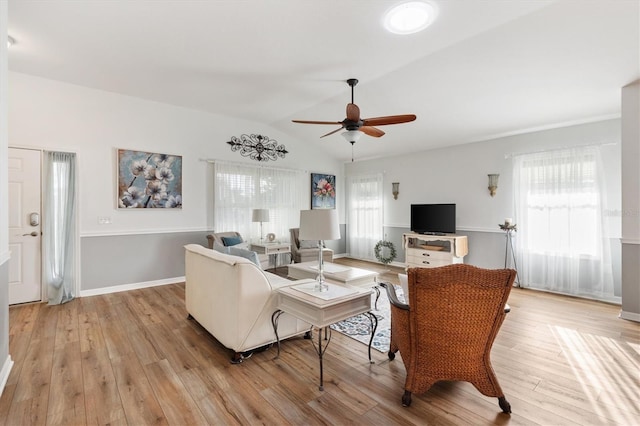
[233,299]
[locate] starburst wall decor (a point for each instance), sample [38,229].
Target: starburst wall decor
[257,147]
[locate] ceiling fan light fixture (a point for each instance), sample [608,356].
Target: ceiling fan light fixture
[352,136]
[409,17]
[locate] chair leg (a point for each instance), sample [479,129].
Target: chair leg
[406,399]
[504,404]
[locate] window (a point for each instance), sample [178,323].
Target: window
[240,188]
[561,236]
[365,215]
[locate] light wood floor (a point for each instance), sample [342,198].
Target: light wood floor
[134,358]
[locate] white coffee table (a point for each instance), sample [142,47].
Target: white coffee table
[323,309]
[337,273]
[334,272]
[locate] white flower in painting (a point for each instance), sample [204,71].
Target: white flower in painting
[164,174]
[173,202]
[163,160]
[138,167]
[136,194]
[150,173]
[133,197]
[157,190]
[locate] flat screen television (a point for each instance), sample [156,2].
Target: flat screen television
[433,219]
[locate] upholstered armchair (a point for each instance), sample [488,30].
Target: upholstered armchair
[218,237]
[446,329]
[307,251]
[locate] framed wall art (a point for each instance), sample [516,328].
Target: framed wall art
[149,180]
[323,191]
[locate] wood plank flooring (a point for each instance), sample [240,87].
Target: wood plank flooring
[134,358]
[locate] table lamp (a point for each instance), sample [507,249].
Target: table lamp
[260,215]
[320,225]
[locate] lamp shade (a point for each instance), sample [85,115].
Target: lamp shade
[260,215]
[321,224]
[352,135]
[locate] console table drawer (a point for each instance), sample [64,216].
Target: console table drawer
[426,262]
[420,255]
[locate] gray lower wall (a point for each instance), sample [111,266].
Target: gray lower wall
[108,261]
[631,276]
[487,250]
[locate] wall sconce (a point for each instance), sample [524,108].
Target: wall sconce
[493,183]
[395,189]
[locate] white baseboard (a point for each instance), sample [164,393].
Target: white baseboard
[631,316]
[127,287]
[4,373]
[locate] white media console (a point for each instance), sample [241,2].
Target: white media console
[430,251]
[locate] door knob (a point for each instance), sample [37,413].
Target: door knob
[33,234]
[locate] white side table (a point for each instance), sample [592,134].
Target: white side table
[323,309]
[269,249]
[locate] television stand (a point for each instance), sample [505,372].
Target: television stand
[433,250]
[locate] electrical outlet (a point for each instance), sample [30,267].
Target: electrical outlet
[104,220]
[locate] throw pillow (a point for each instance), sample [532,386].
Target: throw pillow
[219,247]
[247,254]
[307,244]
[231,241]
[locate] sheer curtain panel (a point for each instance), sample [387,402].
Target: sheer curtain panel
[59,226]
[365,215]
[562,237]
[240,188]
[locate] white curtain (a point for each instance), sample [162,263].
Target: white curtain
[562,238]
[365,215]
[59,226]
[240,188]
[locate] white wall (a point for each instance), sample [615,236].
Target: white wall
[5,359]
[631,201]
[92,123]
[459,175]
[63,117]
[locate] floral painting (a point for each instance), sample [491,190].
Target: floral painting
[323,191]
[148,180]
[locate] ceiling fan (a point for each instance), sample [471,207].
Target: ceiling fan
[355,125]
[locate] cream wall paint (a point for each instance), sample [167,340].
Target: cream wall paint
[631,201]
[5,359]
[59,116]
[458,175]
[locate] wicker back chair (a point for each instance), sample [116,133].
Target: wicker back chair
[447,328]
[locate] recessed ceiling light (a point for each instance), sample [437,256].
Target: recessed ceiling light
[10,41]
[410,17]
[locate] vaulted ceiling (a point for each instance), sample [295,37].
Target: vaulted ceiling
[483,69]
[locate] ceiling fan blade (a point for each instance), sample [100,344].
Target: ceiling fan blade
[330,133]
[353,112]
[317,122]
[390,119]
[371,131]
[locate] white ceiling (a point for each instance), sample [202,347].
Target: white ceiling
[484,68]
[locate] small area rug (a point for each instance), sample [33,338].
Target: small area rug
[359,327]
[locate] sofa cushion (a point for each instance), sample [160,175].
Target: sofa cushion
[307,244]
[247,254]
[220,248]
[231,241]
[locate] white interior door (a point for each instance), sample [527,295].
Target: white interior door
[25,278]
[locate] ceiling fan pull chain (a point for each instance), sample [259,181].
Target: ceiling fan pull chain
[352,143]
